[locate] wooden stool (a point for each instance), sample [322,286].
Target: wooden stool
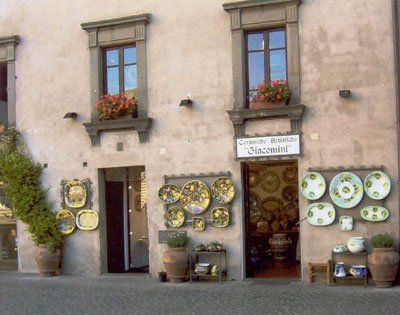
[313,267]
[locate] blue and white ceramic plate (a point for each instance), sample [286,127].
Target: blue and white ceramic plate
[346,190]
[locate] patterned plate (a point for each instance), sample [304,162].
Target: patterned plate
[374,213]
[195,197]
[223,190]
[272,207]
[220,217]
[346,190]
[75,194]
[198,224]
[289,193]
[270,182]
[169,193]
[87,220]
[321,213]
[175,217]
[345,223]
[312,186]
[254,200]
[65,221]
[291,210]
[290,175]
[254,179]
[377,185]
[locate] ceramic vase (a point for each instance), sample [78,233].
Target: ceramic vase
[279,243]
[356,244]
[383,264]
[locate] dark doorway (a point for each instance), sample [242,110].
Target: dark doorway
[115,228]
[271,219]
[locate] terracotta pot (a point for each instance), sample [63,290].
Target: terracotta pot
[47,261]
[259,104]
[176,264]
[383,264]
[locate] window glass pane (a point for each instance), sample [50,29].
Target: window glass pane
[278,64]
[256,69]
[130,78]
[112,57]
[277,39]
[130,55]
[112,80]
[255,41]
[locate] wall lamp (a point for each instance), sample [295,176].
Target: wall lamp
[71,115]
[344,93]
[186,102]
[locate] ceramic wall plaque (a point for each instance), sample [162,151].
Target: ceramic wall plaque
[195,197]
[374,213]
[377,185]
[220,217]
[346,190]
[270,181]
[223,190]
[321,213]
[65,221]
[346,223]
[312,186]
[169,193]
[75,194]
[198,224]
[175,217]
[87,220]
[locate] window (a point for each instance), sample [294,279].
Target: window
[266,58]
[120,70]
[3,94]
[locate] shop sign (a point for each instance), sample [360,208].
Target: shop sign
[267,146]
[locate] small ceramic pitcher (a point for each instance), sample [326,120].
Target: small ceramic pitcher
[339,270]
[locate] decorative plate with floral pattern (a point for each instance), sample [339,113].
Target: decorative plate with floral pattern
[270,181]
[290,175]
[175,217]
[75,194]
[220,217]
[65,221]
[195,197]
[312,186]
[321,213]
[289,192]
[87,220]
[377,185]
[346,223]
[198,224]
[169,193]
[271,207]
[346,190]
[374,213]
[254,179]
[223,190]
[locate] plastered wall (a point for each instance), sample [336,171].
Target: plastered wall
[343,45]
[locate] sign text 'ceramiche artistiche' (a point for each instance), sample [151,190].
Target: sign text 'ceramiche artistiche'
[279,145]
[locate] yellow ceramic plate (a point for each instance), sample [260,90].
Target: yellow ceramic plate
[195,197]
[220,217]
[223,190]
[87,220]
[65,221]
[75,194]
[175,217]
[198,224]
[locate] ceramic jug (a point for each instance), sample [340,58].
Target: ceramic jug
[356,244]
[339,270]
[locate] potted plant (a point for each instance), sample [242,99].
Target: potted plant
[114,106]
[175,259]
[21,177]
[275,92]
[383,261]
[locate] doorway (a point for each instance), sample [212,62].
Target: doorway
[271,219]
[126,216]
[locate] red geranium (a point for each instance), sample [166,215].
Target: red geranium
[112,106]
[273,91]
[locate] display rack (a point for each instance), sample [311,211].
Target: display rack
[197,255]
[350,258]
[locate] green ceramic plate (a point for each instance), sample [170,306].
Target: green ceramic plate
[374,213]
[346,190]
[312,186]
[321,213]
[377,185]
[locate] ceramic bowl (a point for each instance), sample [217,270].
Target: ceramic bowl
[357,271]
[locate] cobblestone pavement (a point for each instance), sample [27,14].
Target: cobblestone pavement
[141,294]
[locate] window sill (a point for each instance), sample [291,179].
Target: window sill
[141,125]
[241,115]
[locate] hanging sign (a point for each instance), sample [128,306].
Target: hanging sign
[267,146]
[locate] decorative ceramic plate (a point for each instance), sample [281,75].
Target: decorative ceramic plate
[374,213]
[195,197]
[321,213]
[312,186]
[220,217]
[270,182]
[175,217]
[75,194]
[87,220]
[223,190]
[289,193]
[346,190]
[271,207]
[254,200]
[345,223]
[198,224]
[254,179]
[377,185]
[289,175]
[169,193]
[65,221]
[291,210]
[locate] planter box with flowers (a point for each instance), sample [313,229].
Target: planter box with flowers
[116,113]
[274,93]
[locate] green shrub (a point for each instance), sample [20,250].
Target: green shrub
[21,177]
[178,240]
[382,240]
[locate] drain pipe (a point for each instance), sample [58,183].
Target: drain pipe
[396,32]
